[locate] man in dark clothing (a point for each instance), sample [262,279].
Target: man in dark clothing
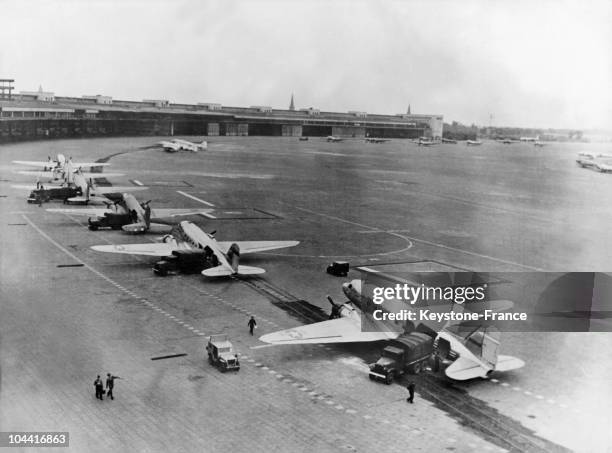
[252,324]
[99,388]
[410,389]
[110,383]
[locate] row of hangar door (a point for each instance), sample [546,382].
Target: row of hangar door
[284,130]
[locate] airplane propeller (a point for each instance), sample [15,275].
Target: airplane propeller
[336,308]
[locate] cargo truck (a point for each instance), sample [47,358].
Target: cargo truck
[408,353]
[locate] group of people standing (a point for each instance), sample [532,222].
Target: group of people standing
[110,384]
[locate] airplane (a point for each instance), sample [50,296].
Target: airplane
[590,160]
[131,216]
[473,142]
[58,168]
[177,144]
[424,141]
[331,138]
[538,143]
[188,248]
[377,140]
[604,166]
[75,189]
[530,139]
[455,349]
[448,140]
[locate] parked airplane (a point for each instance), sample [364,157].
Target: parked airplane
[177,144]
[189,248]
[331,138]
[448,140]
[75,189]
[538,143]
[377,140]
[424,141]
[530,139]
[131,216]
[464,356]
[58,168]
[473,142]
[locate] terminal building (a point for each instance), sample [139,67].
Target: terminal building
[42,114]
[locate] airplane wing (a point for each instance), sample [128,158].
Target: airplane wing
[340,330]
[463,369]
[50,174]
[85,211]
[89,164]
[118,189]
[161,213]
[35,163]
[257,246]
[149,249]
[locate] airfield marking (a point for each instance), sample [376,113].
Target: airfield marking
[530,394]
[424,241]
[195,198]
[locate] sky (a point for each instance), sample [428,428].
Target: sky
[513,63]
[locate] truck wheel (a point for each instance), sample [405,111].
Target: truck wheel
[418,367]
[389,379]
[371,377]
[93,227]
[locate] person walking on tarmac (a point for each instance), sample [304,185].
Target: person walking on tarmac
[110,383]
[252,324]
[410,388]
[99,388]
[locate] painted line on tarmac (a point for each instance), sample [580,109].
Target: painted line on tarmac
[530,394]
[195,198]
[422,241]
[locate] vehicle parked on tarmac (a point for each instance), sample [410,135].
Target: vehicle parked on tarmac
[338,268]
[221,353]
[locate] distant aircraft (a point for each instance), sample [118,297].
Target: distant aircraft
[131,216]
[331,138]
[377,140]
[473,143]
[424,141]
[530,139]
[538,143]
[177,144]
[448,140]
[474,353]
[194,248]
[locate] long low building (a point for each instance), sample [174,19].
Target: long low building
[41,114]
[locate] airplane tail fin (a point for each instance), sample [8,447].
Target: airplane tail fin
[507,363]
[233,256]
[463,369]
[147,214]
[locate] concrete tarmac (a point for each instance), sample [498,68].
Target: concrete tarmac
[69,313]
